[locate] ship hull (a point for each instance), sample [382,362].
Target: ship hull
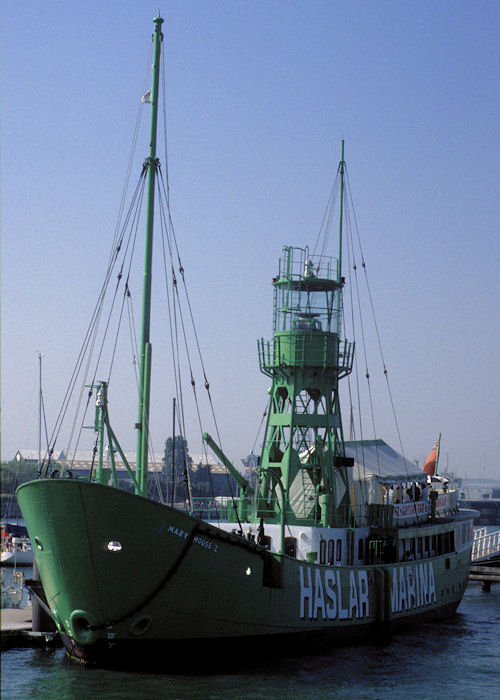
[125,576]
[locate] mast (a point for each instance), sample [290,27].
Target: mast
[40,398]
[437,453]
[341,173]
[145,346]
[173,453]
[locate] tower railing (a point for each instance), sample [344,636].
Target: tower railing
[296,350]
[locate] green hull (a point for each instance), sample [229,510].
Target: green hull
[170,578]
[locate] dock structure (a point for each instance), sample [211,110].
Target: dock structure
[16,629]
[486,545]
[486,574]
[15,623]
[485,559]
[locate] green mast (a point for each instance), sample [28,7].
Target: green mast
[145,347]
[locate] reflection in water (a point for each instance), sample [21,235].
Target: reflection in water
[413,664]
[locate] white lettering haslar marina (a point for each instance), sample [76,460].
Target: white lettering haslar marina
[343,612]
[395,591]
[410,577]
[403,601]
[353,596]
[331,607]
[412,586]
[424,586]
[306,592]
[364,603]
[432,586]
[319,596]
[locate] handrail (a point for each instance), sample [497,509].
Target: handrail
[485,545]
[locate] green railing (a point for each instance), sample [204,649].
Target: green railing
[305,350]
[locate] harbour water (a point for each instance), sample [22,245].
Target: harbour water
[457,658]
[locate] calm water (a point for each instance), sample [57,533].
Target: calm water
[458,659]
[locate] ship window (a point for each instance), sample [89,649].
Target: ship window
[322,551]
[338,554]
[331,551]
[419,547]
[360,549]
[427,545]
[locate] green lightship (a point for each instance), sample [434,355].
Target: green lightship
[318,548]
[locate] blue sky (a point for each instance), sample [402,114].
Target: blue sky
[259,95]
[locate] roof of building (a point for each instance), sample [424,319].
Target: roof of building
[82,459]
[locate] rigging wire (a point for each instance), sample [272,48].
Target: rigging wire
[135,208]
[386,373]
[133,147]
[363,338]
[172,245]
[90,335]
[86,350]
[359,461]
[326,223]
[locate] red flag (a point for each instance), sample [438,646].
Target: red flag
[430,462]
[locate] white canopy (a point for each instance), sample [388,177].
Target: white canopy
[375,458]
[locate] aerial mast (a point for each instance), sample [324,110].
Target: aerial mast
[341,212]
[145,346]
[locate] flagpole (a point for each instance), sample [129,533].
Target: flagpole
[437,454]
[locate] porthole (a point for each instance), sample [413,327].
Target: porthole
[38,544]
[114,546]
[248,571]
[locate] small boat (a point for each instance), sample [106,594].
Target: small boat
[17,552]
[12,593]
[323,546]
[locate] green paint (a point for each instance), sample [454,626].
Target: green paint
[303,442]
[119,570]
[145,357]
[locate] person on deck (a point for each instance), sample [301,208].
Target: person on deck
[423,491]
[396,496]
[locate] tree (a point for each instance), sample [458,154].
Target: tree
[176,464]
[251,463]
[201,481]
[12,475]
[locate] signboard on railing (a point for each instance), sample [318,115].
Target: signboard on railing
[407,513]
[446,502]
